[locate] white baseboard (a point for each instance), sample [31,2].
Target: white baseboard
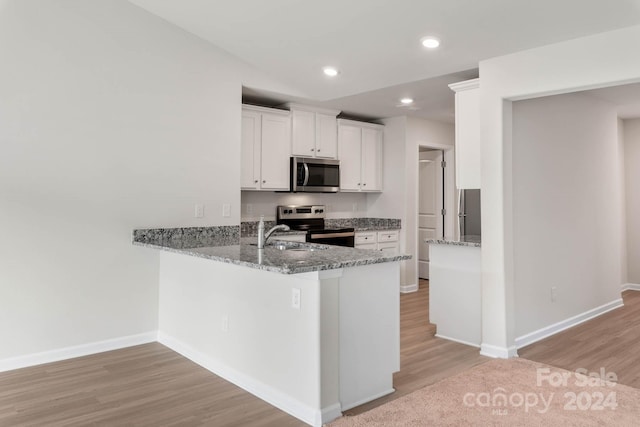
[545,332]
[457,340]
[497,352]
[76,351]
[405,289]
[630,287]
[285,402]
[329,414]
[368,399]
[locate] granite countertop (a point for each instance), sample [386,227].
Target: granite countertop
[471,240]
[299,258]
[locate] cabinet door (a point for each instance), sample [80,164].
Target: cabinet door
[326,136]
[276,150]
[304,133]
[349,139]
[250,150]
[468,139]
[371,160]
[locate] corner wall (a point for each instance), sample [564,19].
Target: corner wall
[112,119]
[598,60]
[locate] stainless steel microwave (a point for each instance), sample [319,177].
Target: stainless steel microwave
[310,175]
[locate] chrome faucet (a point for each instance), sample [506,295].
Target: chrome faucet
[263,237]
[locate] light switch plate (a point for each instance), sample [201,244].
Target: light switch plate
[199,211]
[226,209]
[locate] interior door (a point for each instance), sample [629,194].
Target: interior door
[430,204]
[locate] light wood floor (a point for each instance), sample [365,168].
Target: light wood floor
[610,341]
[150,385]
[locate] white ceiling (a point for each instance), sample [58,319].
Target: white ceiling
[376,43]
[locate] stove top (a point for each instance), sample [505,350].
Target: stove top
[306,218]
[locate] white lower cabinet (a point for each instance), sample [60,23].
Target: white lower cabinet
[386,241]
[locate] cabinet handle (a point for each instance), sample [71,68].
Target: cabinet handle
[318,150]
[359,184]
[255,182]
[264,181]
[312,149]
[364,184]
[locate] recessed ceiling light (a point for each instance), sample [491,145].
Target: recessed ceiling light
[430,42]
[330,71]
[406,101]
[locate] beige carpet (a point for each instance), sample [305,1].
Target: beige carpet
[514,392]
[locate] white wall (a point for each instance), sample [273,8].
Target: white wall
[599,60]
[112,120]
[402,138]
[632,171]
[566,208]
[339,205]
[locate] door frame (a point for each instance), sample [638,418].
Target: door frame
[449,225]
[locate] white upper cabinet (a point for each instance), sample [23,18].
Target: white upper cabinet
[467,133]
[349,153]
[360,154]
[250,149]
[266,148]
[314,132]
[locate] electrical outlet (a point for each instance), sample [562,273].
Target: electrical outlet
[226,209]
[295,298]
[199,211]
[554,293]
[224,325]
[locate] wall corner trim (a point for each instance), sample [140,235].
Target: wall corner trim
[630,287]
[405,289]
[76,351]
[547,331]
[497,352]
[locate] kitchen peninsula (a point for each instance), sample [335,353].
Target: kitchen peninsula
[312,329]
[455,289]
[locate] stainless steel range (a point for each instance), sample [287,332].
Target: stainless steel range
[310,218]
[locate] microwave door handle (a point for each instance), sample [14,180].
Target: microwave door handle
[306,174]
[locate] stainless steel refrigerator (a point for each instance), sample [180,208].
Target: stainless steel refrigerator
[469,213]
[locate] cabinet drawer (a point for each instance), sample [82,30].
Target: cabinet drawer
[371,246]
[387,236]
[364,238]
[389,248]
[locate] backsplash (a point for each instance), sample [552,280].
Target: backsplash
[338,205]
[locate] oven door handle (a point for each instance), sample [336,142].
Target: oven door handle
[332,235]
[306,174]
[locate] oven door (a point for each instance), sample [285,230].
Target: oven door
[315,175]
[338,238]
